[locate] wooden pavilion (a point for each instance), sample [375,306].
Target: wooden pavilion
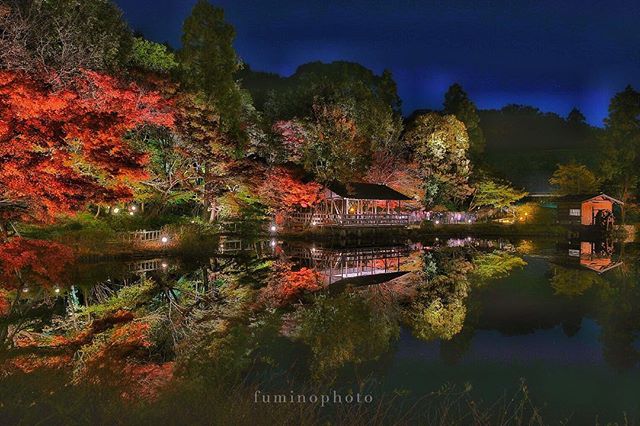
[357,205]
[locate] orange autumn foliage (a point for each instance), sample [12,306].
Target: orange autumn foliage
[61,149]
[5,305]
[33,261]
[284,191]
[286,286]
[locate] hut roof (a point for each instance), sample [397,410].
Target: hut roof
[366,191]
[586,197]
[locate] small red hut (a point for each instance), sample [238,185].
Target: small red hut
[587,210]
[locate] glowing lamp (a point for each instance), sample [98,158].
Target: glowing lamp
[116,210]
[130,213]
[437,222]
[273,228]
[164,240]
[134,208]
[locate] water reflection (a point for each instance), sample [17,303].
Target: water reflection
[285,313]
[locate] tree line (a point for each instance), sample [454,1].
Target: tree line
[94,115]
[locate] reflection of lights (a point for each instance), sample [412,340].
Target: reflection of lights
[116,210]
[164,240]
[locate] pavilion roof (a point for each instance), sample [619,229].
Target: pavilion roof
[366,191]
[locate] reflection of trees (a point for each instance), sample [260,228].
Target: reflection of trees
[573,282]
[439,309]
[344,330]
[497,264]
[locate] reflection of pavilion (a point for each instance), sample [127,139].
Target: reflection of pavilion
[594,255]
[361,265]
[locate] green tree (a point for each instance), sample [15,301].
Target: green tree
[150,56]
[496,195]
[620,164]
[209,63]
[439,144]
[574,178]
[457,102]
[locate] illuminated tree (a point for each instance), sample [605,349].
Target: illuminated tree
[440,145]
[495,195]
[25,262]
[336,150]
[154,57]
[574,178]
[209,149]
[61,150]
[284,191]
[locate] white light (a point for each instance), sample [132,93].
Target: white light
[469,221]
[116,210]
[273,243]
[57,290]
[164,265]
[437,222]
[273,228]
[164,240]
[130,213]
[134,208]
[25,290]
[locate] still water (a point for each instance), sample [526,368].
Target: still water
[450,330]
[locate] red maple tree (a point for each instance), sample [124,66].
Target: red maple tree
[63,148]
[284,190]
[24,261]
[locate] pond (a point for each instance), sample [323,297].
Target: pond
[268,331]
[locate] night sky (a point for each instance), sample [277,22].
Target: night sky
[550,54]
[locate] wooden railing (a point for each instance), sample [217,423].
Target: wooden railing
[368,219]
[144,236]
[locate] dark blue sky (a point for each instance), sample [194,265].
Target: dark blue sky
[550,54]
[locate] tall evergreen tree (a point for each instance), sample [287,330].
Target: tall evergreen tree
[576,118]
[457,102]
[620,163]
[209,62]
